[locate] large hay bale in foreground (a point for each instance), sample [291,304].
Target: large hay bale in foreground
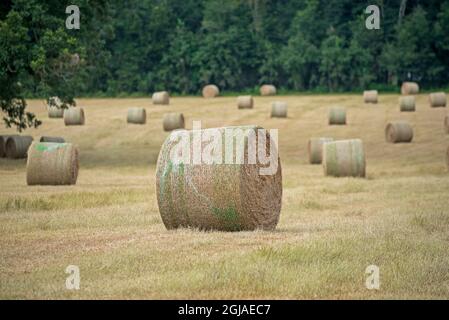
[438,100]
[3,140]
[161,97]
[407,103]
[211,91]
[52,139]
[446,124]
[337,116]
[17,146]
[52,164]
[173,121]
[137,116]
[399,132]
[218,196]
[245,102]
[315,149]
[267,90]
[409,88]
[370,96]
[344,158]
[279,109]
[74,116]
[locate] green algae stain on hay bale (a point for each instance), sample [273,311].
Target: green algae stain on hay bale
[161,97]
[74,116]
[52,164]
[315,149]
[407,104]
[279,109]
[344,158]
[399,132]
[337,116]
[438,100]
[17,146]
[217,196]
[245,102]
[371,96]
[137,116]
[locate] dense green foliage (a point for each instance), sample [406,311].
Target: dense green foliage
[139,46]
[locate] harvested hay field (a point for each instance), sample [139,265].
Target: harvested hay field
[330,229]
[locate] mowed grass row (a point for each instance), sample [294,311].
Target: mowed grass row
[329,232]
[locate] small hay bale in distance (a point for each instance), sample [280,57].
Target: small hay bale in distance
[345,158]
[211,91]
[52,139]
[161,97]
[245,102]
[52,164]
[279,109]
[409,88]
[337,116]
[399,132]
[446,124]
[268,90]
[137,116]
[74,116]
[438,100]
[173,121]
[407,103]
[3,140]
[315,149]
[371,96]
[218,196]
[17,146]
[54,108]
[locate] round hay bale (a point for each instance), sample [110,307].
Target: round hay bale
[211,91]
[52,164]
[17,146]
[371,96]
[267,90]
[245,102]
[409,88]
[446,124]
[337,116]
[52,139]
[399,132]
[74,116]
[344,158]
[161,97]
[54,112]
[438,100]
[218,196]
[279,109]
[3,140]
[137,116]
[315,149]
[173,121]
[407,103]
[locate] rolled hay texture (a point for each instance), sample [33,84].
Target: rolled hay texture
[371,96]
[55,109]
[279,109]
[74,116]
[211,91]
[161,97]
[245,102]
[267,90]
[52,139]
[315,149]
[399,132]
[137,116]
[409,88]
[3,140]
[17,146]
[446,124]
[407,103]
[173,121]
[218,196]
[337,116]
[344,158]
[52,164]
[438,99]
